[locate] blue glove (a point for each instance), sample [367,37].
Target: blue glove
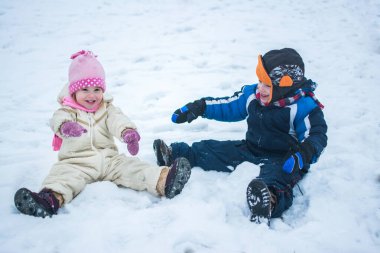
[293,162]
[296,159]
[189,112]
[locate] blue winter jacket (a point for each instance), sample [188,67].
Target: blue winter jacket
[272,130]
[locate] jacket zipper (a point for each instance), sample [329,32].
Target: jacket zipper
[90,126]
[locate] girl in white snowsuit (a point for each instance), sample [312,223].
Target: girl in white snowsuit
[85,127]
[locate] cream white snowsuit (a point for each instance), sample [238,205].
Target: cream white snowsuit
[94,156]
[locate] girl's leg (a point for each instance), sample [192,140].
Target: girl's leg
[63,183]
[68,180]
[133,173]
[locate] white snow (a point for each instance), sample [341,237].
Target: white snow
[159,55]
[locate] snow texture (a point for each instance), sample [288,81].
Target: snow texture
[159,55]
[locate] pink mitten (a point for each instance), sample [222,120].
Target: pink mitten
[132,137]
[72,129]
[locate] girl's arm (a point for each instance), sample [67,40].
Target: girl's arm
[117,121]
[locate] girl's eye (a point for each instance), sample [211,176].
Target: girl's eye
[97,89]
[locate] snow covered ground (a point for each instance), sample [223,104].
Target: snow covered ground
[159,55]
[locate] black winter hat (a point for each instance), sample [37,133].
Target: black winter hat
[282,70]
[284,62]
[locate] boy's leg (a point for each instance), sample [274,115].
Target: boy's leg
[280,185]
[213,155]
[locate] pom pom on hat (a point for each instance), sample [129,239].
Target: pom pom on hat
[85,71]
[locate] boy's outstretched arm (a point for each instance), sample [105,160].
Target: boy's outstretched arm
[226,109]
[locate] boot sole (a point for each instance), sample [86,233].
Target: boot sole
[158,147]
[157,152]
[183,172]
[26,204]
[258,199]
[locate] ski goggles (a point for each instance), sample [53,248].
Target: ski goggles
[284,81]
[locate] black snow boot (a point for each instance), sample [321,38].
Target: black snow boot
[40,204]
[259,201]
[178,176]
[163,153]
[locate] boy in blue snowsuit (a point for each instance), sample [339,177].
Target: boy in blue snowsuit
[286,132]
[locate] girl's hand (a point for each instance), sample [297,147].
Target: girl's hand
[72,129]
[131,137]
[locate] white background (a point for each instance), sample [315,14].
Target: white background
[159,55]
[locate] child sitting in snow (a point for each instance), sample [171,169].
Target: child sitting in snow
[85,126]
[286,132]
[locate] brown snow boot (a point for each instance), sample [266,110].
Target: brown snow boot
[172,181]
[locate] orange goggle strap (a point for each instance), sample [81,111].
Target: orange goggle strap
[263,76]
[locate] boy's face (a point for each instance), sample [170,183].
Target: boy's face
[89,97]
[264,91]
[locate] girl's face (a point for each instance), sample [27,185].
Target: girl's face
[89,97]
[264,91]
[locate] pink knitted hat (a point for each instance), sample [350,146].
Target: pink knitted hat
[85,71]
